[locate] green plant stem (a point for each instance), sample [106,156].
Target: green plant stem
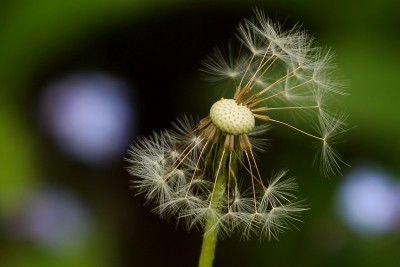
[211,229]
[209,243]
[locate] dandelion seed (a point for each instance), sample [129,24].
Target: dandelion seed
[196,170]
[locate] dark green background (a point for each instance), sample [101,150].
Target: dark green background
[157,46]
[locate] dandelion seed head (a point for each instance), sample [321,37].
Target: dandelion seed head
[196,170]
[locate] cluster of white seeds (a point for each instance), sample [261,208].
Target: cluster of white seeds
[192,171]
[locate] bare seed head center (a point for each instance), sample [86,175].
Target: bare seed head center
[232,118]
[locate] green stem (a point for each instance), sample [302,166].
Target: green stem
[209,244]
[211,229]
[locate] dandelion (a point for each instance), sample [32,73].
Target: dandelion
[205,172]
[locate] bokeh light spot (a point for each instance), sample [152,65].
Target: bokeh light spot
[367,201]
[91,116]
[53,218]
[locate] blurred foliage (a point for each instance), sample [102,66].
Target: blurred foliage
[38,37]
